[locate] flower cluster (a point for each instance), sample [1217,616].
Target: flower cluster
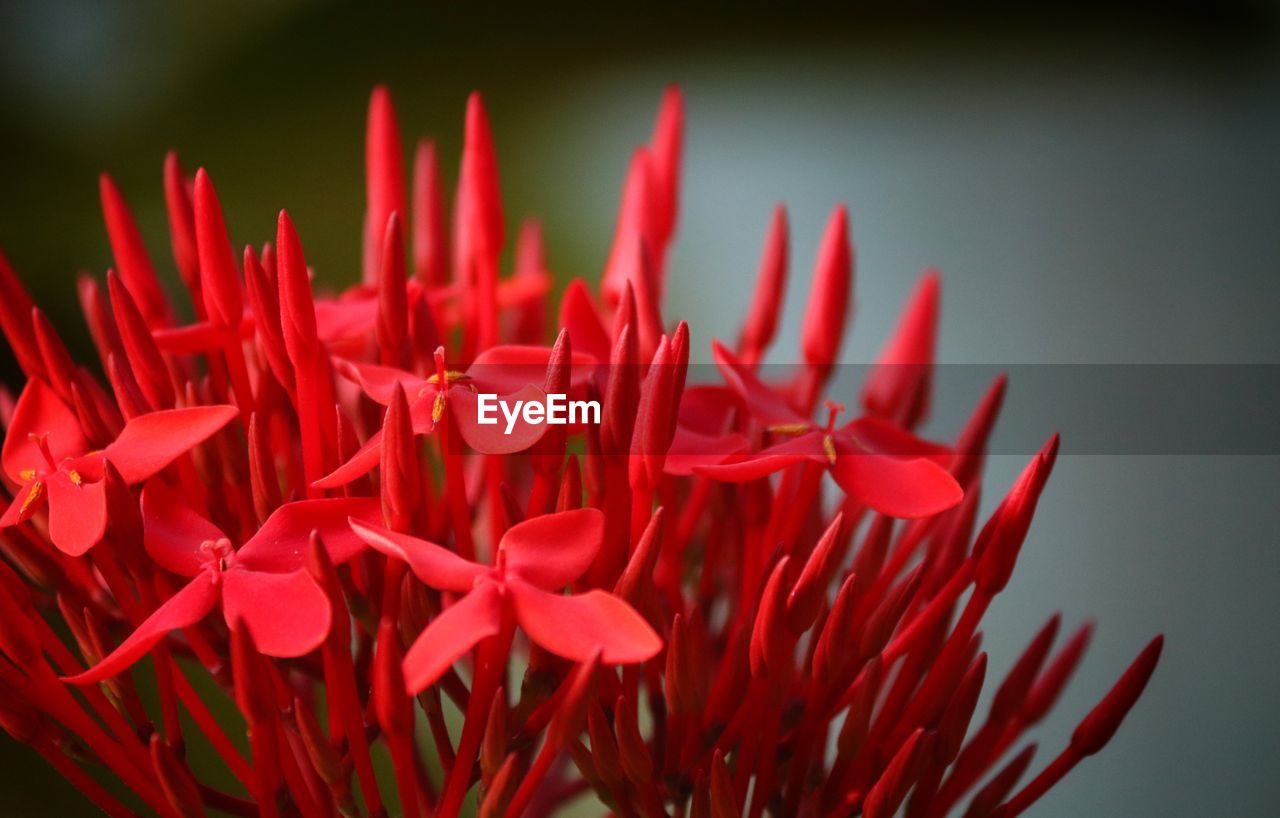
[672,608]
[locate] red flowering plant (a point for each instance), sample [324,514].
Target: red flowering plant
[668,605]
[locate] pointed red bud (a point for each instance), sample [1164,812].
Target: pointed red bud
[862,699]
[771,283]
[1017,683]
[324,759]
[430,242]
[264,300]
[297,307]
[831,655]
[493,748]
[829,295]
[384,178]
[131,255]
[637,577]
[58,365]
[102,325]
[263,479]
[632,750]
[144,356]
[219,280]
[182,223]
[176,781]
[885,796]
[806,598]
[1001,538]
[724,803]
[125,388]
[899,386]
[15,320]
[1050,684]
[604,748]
[401,479]
[637,232]
[478,219]
[667,145]
[1000,785]
[971,445]
[770,646]
[253,693]
[393,306]
[571,713]
[1100,725]
[391,701]
[955,719]
[622,395]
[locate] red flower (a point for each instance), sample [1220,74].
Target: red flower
[535,561]
[263,583]
[735,635]
[880,465]
[47,456]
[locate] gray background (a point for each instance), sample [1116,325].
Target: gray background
[1097,188]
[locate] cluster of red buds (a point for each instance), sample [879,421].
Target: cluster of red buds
[670,608]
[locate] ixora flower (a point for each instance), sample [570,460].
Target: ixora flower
[722,597]
[264,582]
[47,455]
[536,559]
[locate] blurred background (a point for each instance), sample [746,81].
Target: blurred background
[1099,184]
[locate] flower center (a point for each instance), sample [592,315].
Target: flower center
[214,555]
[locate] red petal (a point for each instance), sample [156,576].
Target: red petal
[553,550]
[511,367]
[338,320]
[39,412]
[360,464]
[379,382]
[152,441]
[881,437]
[434,565]
[895,486]
[287,614]
[493,438]
[23,505]
[766,405]
[77,512]
[576,627]
[578,314]
[280,546]
[172,532]
[752,467]
[183,609]
[451,634]
[690,449]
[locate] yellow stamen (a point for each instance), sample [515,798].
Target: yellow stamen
[37,489]
[829,446]
[75,476]
[450,376]
[27,475]
[789,429]
[437,408]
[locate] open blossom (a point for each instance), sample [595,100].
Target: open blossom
[728,595]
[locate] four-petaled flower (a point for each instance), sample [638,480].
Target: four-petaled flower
[536,559]
[47,456]
[875,462]
[264,583]
[512,372]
